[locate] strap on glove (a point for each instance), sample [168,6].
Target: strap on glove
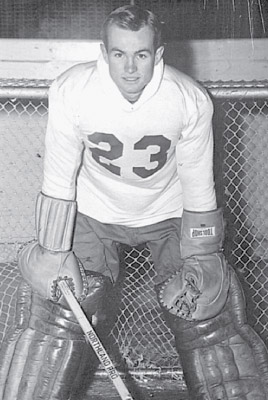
[44,262]
[200,289]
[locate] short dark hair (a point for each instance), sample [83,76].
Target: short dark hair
[131,17]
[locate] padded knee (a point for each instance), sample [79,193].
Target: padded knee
[45,356]
[222,358]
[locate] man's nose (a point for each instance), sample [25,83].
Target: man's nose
[130,65]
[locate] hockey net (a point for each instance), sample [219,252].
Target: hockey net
[140,338]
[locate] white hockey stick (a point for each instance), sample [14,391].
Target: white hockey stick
[95,341]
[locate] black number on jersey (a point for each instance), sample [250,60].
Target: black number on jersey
[115,151]
[160,157]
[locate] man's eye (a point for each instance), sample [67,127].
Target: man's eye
[118,55]
[142,56]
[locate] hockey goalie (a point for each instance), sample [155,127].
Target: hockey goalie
[129,159]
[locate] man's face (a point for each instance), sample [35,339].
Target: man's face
[131,57]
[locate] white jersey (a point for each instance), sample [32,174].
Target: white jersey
[129,164]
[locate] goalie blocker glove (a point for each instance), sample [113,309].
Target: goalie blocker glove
[45,355]
[43,262]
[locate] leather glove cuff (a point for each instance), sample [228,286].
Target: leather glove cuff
[55,220]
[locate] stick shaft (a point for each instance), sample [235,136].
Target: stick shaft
[95,342]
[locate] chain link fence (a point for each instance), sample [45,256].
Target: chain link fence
[140,338]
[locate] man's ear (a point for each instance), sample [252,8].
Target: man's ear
[159,54]
[104,52]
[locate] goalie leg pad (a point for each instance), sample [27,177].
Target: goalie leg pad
[222,358]
[45,356]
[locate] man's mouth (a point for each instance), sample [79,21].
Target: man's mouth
[131,79]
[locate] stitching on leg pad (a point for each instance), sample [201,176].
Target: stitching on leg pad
[45,355]
[223,358]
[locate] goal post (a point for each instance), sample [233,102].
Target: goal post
[142,340]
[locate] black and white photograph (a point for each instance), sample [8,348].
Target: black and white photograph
[134,200]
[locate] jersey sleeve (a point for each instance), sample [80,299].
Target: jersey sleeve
[194,154]
[63,147]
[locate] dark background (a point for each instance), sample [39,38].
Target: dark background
[182,19]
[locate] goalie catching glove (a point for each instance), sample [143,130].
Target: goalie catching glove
[44,262]
[222,358]
[200,289]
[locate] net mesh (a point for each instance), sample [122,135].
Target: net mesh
[140,338]
[245,182]
[145,342]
